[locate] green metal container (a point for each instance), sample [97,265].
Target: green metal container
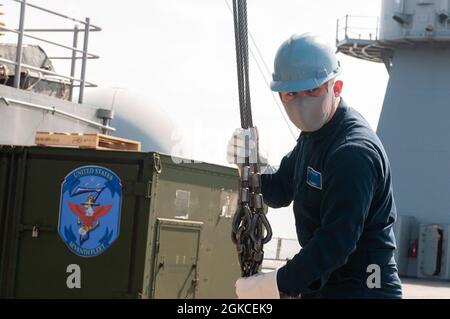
[173,241]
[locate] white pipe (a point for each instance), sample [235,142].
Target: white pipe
[54,110]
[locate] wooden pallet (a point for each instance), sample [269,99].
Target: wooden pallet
[87,140]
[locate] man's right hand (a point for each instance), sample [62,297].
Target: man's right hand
[236,151]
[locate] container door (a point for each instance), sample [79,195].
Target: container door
[176,259]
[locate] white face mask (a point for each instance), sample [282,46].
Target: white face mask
[310,113]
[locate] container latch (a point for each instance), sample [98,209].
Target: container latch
[157,162]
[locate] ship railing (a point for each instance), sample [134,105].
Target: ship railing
[351,27]
[278,251]
[76,54]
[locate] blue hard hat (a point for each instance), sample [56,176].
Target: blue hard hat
[303,62]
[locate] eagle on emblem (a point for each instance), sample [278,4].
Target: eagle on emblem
[88,213]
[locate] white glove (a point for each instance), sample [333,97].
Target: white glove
[236,149]
[259,286]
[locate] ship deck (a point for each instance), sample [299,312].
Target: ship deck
[414,288]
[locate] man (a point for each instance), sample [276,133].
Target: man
[339,178]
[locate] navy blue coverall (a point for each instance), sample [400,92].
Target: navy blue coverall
[339,178]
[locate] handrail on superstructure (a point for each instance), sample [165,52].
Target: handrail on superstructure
[22,32]
[278,241]
[94,56]
[353,31]
[96,28]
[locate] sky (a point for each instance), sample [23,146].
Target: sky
[180,56]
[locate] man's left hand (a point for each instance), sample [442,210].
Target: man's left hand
[259,286]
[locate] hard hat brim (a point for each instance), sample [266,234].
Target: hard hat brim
[302,85]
